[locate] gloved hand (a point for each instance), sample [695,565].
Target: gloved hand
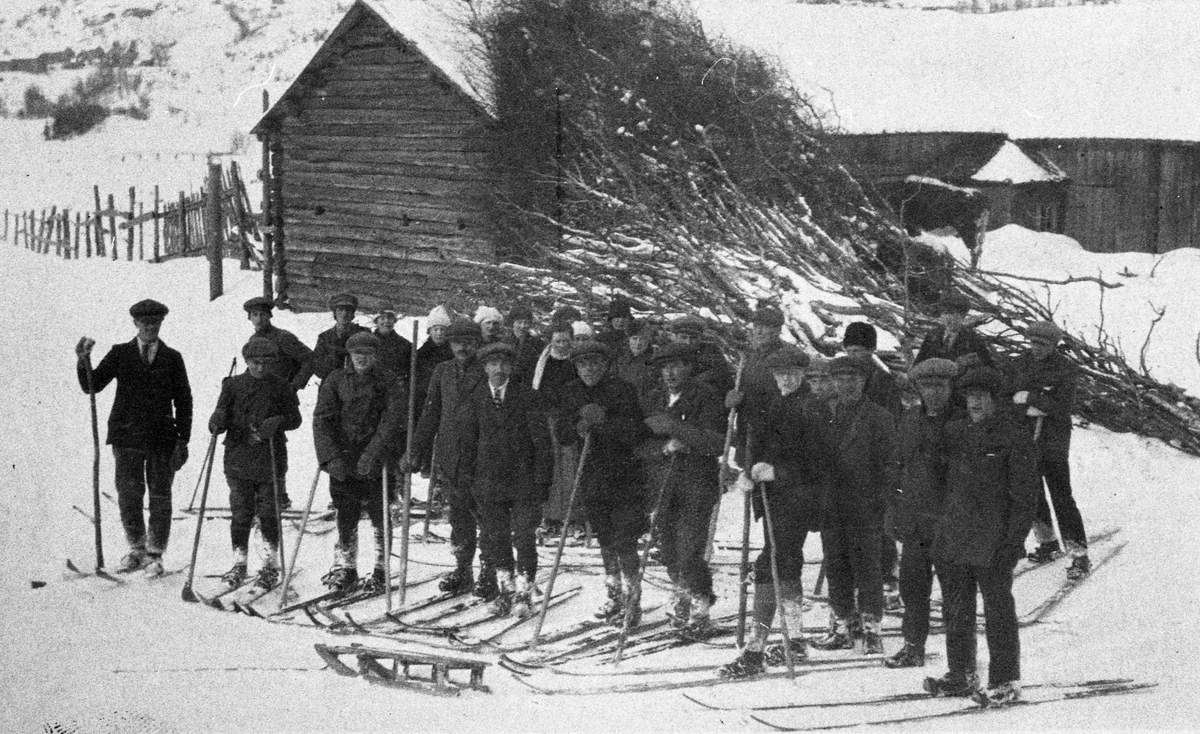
[1033,412]
[744,484]
[83,349]
[762,472]
[734,398]
[215,427]
[674,446]
[179,456]
[337,469]
[660,423]
[367,463]
[269,427]
[1021,398]
[592,414]
[408,466]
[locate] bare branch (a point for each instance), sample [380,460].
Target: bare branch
[1158,316]
[1065,281]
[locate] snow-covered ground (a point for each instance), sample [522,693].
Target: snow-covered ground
[83,651]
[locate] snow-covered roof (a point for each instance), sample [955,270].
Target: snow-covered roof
[1010,164]
[436,29]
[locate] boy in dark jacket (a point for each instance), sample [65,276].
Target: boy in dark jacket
[789,457]
[860,436]
[253,411]
[330,353]
[612,487]
[357,425]
[506,460]
[688,422]
[991,493]
[915,508]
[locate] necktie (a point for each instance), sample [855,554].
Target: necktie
[145,348]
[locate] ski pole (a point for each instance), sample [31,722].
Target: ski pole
[212,441]
[287,577]
[744,567]
[206,472]
[1037,434]
[562,540]
[278,504]
[95,463]
[820,579]
[643,561]
[783,628]
[406,494]
[387,540]
[730,430]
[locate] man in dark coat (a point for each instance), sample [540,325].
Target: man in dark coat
[991,493]
[254,410]
[357,425]
[439,444]
[395,352]
[330,353]
[860,437]
[612,486]
[149,429]
[711,367]
[631,363]
[758,389]
[788,454]
[915,509]
[294,363]
[952,339]
[618,318]
[506,466]
[1043,384]
[688,422]
[529,346]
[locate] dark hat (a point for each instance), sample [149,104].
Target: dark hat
[981,378]
[619,307]
[767,316]
[674,353]
[1043,331]
[954,302]
[589,348]
[860,334]
[566,314]
[461,328]
[934,369]
[495,350]
[785,357]
[846,366]
[258,303]
[520,313]
[343,300]
[148,309]
[688,325]
[363,342]
[259,348]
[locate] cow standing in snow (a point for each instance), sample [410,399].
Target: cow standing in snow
[924,203]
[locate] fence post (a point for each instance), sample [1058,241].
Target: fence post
[99,223]
[78,227]
[214,231]
[183,228]
[141,230]
[66,234]
[129,221]
[277,215]
[29,229]
[156,228]
[112,227]
[239,211]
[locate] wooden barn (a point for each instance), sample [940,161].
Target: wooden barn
[1021,185]
[378,155]
[1129,195]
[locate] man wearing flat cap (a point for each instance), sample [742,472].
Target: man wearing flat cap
[149,429]
[1043,393]
[711,367]
[952,339]
[295,361]
[330,353]
[758,389]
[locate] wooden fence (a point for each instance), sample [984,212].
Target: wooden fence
[177,228]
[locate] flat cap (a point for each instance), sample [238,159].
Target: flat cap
[688,325]
[767,316]
[258,303]
[362,342]
[847,366]
[566,314]
[589,348]
[148,309]
[497,350]
[463,329]
[787,356]
[954,302]
[1043,331]
[343,300]
[981,378]
[934,369]
[860,334]
[674,353]
[520,313]
[259,348]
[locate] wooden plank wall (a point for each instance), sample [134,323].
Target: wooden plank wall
[384,179]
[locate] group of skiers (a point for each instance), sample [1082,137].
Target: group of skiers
[639,423]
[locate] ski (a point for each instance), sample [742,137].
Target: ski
[616,671]
[586,627]
[215,601]
[99,573]
[394,615]
[957,707]
[510,625]
[243,602]
[1039,612]
[888,699]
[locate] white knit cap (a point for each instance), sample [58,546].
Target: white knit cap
[488,313]
[582,328]
[439,316]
